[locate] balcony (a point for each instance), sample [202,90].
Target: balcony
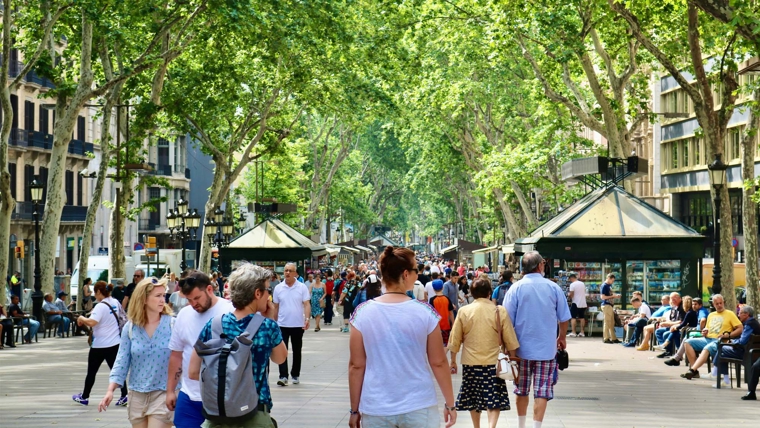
[148,224]
[79,147]
[162,169]
[19,137]
[41,140]
[32,77]
[70,214]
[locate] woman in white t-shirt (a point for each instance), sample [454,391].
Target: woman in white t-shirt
[105,339]
[394,342]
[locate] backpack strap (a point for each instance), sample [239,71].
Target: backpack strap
[216,327]
[115,316]
[254,325]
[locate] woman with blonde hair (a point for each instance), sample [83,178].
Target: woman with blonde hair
[144,356]
[395,342]
[477,329]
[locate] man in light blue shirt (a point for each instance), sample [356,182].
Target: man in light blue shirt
[536,305]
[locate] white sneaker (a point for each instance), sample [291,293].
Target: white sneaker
[580,335]
[296,381]
[724,385]
[573,335]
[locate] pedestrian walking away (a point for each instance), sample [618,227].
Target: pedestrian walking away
[143,356]
[394,344]
[350,290]
[578,307]
[202,306]
[317,291]
[329,290]
[249,293]
[106,336]
[536,305]
[292,304]
[476,331]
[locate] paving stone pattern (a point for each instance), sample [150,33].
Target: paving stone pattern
[605,386]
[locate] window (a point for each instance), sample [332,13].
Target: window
[80,128]
[80,183]
[14,106]
[69,187]
[29,115]
[674,155]
[735,143]
[697,143]
[673,102]
[12,171]
[43,128]
[686,152]
[43,177]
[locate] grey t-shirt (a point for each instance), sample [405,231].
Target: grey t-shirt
[452,292]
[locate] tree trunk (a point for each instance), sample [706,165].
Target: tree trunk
[213,201]
[7,203]
[97,195]
[749,207]
[515,230]
[529,216]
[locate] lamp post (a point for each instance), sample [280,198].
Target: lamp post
[185,223]
[37,189]
[718,178]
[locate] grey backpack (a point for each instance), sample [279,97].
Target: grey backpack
[227,388]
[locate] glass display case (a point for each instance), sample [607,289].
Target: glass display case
[635,279]
[663,278]
[591,274]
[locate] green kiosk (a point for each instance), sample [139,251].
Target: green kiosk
[611,231]
[270,244]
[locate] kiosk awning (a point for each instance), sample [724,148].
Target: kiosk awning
[449,248]
[486,250]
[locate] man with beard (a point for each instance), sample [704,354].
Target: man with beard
[202,305]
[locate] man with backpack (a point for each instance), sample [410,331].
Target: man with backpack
[202,306]
[234,350]
[499,292]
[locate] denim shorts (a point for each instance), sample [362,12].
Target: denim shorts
[423,418]
[701,343]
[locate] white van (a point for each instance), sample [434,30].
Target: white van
[98,269]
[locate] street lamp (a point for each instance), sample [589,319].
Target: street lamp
[241,222]
[718,178]
[185,223]
[37,189]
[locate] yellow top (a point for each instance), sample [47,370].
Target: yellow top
[475,328]
[718,322]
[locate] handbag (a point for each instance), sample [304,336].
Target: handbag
[506,368]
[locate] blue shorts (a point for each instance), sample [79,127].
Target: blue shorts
[701,343]
[188,413]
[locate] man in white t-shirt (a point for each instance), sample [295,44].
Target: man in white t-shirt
[419,291]
[202,306]
[292,302]
[578,304]
[637,321]
[435,269]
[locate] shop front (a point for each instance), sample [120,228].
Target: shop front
[612,231]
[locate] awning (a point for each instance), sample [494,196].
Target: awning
[508,249]
[332,250]
[449,248]
[365,249]
[275,234]
[351,249]
[487,249]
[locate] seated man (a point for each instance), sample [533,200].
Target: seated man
[721,324]
[674,317]
[660,314]
[55,315]
[15,311]
[735,349]
[638,321]
[65,311]
[672,338]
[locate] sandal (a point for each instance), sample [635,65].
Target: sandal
[317,329]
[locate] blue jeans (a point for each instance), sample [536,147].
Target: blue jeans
[728,352]
[34,325]
[63,323]
[188,413]
[660,334]
[700,343]
[424,418]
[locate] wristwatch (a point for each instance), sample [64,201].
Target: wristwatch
[450,409]
[353,412]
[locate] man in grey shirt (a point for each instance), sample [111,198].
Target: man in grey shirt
[451,290]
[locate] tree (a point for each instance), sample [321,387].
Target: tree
[74,77]
[648,26]
[35,26]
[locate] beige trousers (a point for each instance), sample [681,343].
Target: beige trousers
[608,329]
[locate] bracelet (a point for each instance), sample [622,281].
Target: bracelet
[353,412]
[450,409]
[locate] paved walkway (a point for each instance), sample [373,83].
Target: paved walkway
[605,386]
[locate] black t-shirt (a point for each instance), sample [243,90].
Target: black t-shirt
[118,293]
[15,311]
[128,292]
[424,279]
